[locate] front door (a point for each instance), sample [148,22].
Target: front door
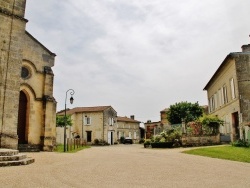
[110,137]
[235,121]
[89,137]
[22,119]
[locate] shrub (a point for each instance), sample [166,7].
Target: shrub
[122,139]
[141,141]
[240,143]
[147,143]
[162,144]
[96,141]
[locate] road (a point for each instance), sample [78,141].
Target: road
[123,166]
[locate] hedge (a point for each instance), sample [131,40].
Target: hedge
[162,144]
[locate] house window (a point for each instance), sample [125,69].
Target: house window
[224,94]
[215,101]
[232,88]
[87,120]
[219,97]
[111,121]
[211,104]
[134,135]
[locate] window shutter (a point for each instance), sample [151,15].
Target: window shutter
[85,120]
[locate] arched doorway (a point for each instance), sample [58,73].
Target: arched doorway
[22,119]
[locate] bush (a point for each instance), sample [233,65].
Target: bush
[141,141]
[96,141]
[240,143]
[122,139]
[100,142]
[147,143]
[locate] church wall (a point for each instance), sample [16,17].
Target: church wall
[12,29]
[39,60]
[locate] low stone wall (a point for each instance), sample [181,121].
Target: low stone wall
[200,140]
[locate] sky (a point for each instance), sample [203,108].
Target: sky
[139,56]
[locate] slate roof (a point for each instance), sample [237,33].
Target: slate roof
[225,61]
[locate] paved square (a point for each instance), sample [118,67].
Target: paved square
[126,166]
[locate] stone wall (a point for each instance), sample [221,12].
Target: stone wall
[39,88]
[12,29]
[200,140]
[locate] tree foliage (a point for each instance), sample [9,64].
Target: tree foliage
[185,111]
[60,121]
[210,120]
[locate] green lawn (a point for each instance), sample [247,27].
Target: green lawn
[223,152]
[60,148]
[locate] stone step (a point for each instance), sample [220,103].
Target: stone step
[8,152]
[13,157]
[28,148]
[17,163]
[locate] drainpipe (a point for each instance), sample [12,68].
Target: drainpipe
[103,126]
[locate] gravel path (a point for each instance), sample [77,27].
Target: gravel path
[125,166]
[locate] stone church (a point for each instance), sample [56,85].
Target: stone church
[27,105]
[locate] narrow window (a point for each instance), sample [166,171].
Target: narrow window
[87,121]
[134,135]
[225,94]
[212,105]
[219,97]
[232,88]
[111,121]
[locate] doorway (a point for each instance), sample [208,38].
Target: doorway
[89,136]
[110,137]
[235,122]
[22,119]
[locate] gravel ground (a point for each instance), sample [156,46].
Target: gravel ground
[125,166]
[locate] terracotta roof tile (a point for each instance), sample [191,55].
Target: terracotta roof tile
[126,119]
[84,109]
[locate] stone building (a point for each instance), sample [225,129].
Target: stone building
[128,127]
[228,93]
[152,128]
[27,106]
[90,123]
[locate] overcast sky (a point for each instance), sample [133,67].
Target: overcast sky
[139,56]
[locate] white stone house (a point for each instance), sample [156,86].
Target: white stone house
[128,127]
[228,93]
[90,123]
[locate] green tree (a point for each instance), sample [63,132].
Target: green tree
[60,121]
[185,111]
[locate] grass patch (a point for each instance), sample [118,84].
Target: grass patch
[223,152]
[60,148]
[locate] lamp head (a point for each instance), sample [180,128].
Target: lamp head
[71,100]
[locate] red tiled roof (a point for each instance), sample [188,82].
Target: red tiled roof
[84,109]
[126,119]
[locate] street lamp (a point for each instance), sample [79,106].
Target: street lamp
[72,92]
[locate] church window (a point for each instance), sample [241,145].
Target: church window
[25,73]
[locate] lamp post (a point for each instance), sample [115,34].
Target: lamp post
[72,92]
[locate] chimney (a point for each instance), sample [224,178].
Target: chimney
[245,48]
[149,121]
[132,117]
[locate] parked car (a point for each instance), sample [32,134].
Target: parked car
[128,140]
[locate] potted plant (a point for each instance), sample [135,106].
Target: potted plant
[147,143]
